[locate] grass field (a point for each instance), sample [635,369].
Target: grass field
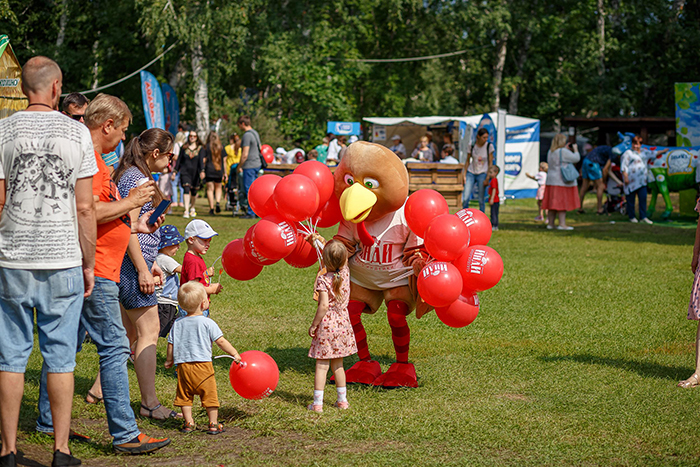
[573,360]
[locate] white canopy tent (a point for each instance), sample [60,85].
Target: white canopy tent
[518,154]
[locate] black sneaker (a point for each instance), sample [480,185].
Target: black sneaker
[64,460]
[211,212]
[142,444]
[9,460]
[218,208]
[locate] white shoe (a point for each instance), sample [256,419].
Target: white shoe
[494,229]
[193,213]
[634,220]
[646,220]
[549,227]
[186,215]
[565,227]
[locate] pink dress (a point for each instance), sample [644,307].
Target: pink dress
[694,306]
[334,336]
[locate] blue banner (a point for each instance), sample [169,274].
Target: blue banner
[529,133]
[152,101]
[344,128]
[487,123]
[171,107]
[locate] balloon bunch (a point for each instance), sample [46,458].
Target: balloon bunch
[284,204]
[460,263]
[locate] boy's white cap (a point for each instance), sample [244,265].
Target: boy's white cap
[395,137]
[199,228]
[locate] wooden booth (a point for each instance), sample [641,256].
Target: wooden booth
[444,178]
[12,99]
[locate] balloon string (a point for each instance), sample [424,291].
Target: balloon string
[242,364]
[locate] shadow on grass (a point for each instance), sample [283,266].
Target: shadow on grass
[229,414]
[645,369]
[297,359]
[621,231]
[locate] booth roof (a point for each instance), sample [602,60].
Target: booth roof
[511,120]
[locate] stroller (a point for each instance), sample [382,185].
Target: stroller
[232,190]
[614,196]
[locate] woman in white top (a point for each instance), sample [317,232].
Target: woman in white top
[479,159]
[634,174]
[559,195]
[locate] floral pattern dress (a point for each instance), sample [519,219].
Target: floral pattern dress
[694,305]
[633,163]
[334,336]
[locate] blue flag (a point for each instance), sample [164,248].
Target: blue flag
[172,108]
[152,101]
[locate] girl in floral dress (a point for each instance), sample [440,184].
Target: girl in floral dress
[694,309]
[333,337]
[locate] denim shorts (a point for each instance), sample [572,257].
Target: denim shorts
[591,170]
[57,296]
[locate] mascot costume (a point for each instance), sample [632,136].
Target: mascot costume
[371,183]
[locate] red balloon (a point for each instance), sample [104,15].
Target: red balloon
[236,263]
[267,153]
[421,207]
[478,224]
[296,197]
[251,252]
[274,238]
[439,284]
[303,256]
[321,175]
[260,195]
[481,267]
[461,312]
[446,237]
[329,214]
[256,377]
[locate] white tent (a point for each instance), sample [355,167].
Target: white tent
[520,154]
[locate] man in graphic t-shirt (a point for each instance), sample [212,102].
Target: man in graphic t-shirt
[47,249]
[250,162]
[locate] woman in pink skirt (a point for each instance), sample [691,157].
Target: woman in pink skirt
[560,196]
[694,310]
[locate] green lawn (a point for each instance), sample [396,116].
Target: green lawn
[573,360]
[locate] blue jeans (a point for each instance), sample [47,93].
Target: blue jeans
[249,176]
[57,295]
[174,184]
[478,180]
[102,319]
[641,194]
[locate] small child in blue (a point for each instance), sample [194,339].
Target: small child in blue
[170,240]
[189,347]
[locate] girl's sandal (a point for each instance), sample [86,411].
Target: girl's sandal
[92,399]
[692,382]
[215,429]
[188,427]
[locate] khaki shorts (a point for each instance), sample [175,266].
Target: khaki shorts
[196,379]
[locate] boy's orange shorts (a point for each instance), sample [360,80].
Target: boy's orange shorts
[196,379]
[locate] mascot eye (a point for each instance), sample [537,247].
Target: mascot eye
[371,183]
[349,180]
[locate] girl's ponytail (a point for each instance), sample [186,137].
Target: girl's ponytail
[335,256]
[337,284]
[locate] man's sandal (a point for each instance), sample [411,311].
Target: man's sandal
[692,382]
[188,427]
[215,429]
[172,413]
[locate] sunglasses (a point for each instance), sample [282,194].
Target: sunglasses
[77,117]
[169,154]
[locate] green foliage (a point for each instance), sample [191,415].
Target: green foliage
[294,59]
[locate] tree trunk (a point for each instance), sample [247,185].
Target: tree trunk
[601,52]
[498,71]
[201,91]
[62,22]
[515,95]
[178,73]
[96,65]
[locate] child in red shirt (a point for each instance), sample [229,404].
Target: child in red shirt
[494,201]
[199,234]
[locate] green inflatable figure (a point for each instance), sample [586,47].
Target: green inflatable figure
[671,169]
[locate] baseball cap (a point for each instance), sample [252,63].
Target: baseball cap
[353,139]
[199,228]
[280,150]
[169,236]
[396,137]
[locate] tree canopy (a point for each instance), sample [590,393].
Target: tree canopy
[294,65]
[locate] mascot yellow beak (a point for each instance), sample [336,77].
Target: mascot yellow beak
[356,203]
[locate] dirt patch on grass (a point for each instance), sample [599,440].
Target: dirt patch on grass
[236,446]
[514,397]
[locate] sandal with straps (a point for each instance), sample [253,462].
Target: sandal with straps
[172,413]
[692,382]
[188,427]
[215,429]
